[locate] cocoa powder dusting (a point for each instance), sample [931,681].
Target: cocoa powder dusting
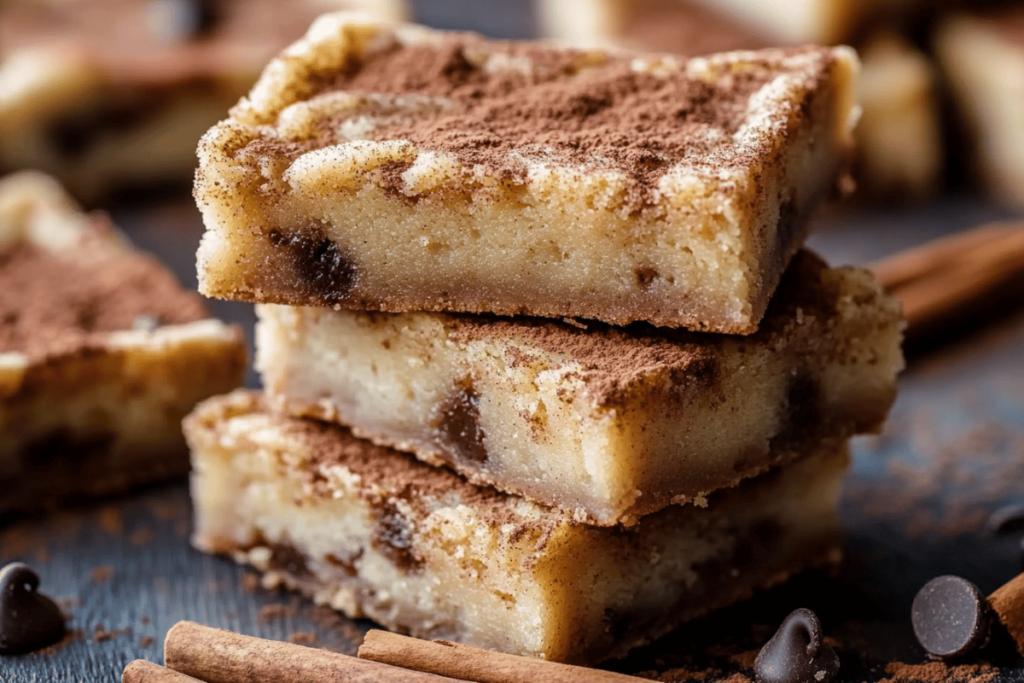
[513,103]
[53,304]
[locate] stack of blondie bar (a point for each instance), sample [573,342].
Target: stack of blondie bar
[608,391]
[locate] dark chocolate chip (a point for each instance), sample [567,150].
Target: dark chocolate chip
[803,413]
[28,619]
[1007,519]
[459,426]
[797,653]
[951,617]
[287,558]
[325,272]
[392,537]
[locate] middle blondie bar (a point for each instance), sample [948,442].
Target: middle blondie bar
[608,423]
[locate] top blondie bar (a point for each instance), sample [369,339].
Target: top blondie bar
[391,167]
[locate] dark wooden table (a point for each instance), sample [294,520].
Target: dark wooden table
[915,504]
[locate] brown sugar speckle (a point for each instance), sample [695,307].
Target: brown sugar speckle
[146,641]
[102,635]
[102,574]
[303,638]
[277,611]
[142,536]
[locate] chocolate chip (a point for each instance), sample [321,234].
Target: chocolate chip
[797,653]
[326,274]
[951,617]
[287,558]
[459,426]
[393,538]
[28,619]
[1007,519]
[803,413]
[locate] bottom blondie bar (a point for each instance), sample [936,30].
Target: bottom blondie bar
[376,533]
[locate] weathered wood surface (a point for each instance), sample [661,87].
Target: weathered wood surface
[915,507]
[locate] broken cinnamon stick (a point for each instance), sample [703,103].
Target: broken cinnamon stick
[473,664]
[141,671]
[941,282]
[218,656]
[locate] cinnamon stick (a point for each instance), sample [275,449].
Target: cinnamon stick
[473,664]
[941,282]
[218,656]
[141,671]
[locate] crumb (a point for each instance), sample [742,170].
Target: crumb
[276,611]
[142,536]
[145,619]
[250,583]
[146,641]
[102,635]
[101,575]
[111,520]
[161,583]
[70,636]
[303,638]
[939,672]
[744,660]
[330,620]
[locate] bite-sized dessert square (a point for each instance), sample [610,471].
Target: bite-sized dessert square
[982,57]
[607,423]
[392,167]
[376,533]
[105,94]
[899,148]
[102,354]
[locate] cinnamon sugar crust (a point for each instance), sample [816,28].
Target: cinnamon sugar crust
[391,167]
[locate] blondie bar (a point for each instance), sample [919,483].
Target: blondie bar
[608,423]
[101,354]
[982,56]
[392,167]
[375,533]
[108,93]
[899,143]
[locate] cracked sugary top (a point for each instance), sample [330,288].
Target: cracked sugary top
[510,108]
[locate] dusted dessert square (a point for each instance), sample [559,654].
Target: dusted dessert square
[376,533]
[102,354]
[899,147]
[982,56]
[391,167]
[104,94]
[607,423]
